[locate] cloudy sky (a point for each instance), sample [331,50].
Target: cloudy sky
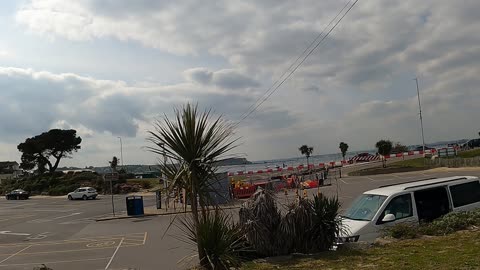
[108,68]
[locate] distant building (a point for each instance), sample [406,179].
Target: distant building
[9,170]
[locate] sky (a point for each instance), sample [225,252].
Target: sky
[110,68]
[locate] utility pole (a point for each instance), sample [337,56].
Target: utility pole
[121,151]
[421,119]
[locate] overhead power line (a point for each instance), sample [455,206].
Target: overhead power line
[279,82]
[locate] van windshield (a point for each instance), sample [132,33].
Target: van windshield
[364,207]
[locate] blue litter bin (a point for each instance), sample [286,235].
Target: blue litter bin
[134,205]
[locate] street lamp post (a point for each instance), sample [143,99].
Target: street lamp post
[421,119]
[121,151]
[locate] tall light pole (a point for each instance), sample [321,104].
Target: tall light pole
[421,119]
[121,152]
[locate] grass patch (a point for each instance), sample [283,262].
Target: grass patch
[469,153]
[455,251]
[411,163]
[417,164]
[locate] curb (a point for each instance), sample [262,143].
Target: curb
[156,214]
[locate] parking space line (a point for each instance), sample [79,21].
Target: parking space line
[343,181]
[52,262]
[80,240]
[14,254]
[114,253]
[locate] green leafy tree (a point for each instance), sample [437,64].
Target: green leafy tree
[48,148]
[114,164]
[399,148]
[192,142]
[384,147]
[306,151]
[343,148]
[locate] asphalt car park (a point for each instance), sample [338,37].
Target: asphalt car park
[64,234]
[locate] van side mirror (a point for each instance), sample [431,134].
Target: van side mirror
[388,218]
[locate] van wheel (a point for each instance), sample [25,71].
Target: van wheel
[84,197]
[70,197]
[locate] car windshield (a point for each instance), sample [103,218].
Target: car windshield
[364,207]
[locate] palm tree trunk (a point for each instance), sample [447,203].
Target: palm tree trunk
[193,197]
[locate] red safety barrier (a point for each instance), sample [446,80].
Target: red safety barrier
[399,155]
[243,192]
[240,173]
[259,171]
[270,170]
[290,169]
[250,172]
[321,165]
[410,153]
[230,174]
[279,169]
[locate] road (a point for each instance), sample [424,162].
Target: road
[64,234]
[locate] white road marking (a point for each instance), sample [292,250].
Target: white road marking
[343,181]
[12,233]
[4,260]
[72,214]
[114,253]
[52,262]
[39,236]
[43,220]
[369,178]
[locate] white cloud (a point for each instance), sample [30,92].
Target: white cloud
[356,87]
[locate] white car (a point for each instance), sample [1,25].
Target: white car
[410,202]
[83,193]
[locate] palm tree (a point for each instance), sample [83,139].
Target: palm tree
[307,151]
[384,148]
[193,142]
[114,164]
[343,148]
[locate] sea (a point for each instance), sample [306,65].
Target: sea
[316,159]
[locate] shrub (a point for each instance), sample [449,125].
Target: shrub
[260,220]
[84,176]
[145,184]
[452,222]
[447,224]
[221,239]
[308,226]
[403,231]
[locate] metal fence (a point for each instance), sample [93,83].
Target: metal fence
[455,162]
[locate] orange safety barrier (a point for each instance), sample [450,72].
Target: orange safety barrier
[243,192]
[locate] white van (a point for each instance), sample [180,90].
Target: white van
[421,200]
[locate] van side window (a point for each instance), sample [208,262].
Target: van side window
[464,194]
[400,206]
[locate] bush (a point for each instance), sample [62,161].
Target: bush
[145,184]
[452,222]
[308,226]
[260,220]
[447,224]
[222,240]
[403,231]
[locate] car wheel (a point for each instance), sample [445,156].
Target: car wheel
[84,197]
[70,197]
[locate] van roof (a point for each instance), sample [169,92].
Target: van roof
[418,184]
